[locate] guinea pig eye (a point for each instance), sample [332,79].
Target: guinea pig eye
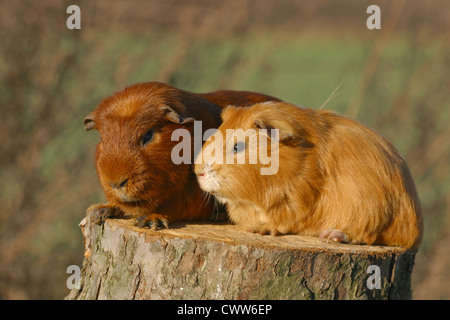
[238,147]
[147,137]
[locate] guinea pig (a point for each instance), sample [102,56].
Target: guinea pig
[330,177]
[133,157]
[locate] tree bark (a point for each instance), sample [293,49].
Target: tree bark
[221,261]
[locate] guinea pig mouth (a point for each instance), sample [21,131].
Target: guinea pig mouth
[126,198]
[208,182]
[132,202]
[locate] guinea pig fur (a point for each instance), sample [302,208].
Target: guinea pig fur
[133,158]
[336,178]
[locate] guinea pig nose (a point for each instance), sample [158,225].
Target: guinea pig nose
[118,185]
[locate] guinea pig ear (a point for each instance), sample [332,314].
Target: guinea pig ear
[175,117]
[286,133]
[89,122]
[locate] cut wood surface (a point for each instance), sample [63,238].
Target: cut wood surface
[220,261]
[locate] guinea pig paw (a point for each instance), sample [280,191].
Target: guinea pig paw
[153,221]
[272,232]
[333,235]
[102,212]
[265,231]
[258,230]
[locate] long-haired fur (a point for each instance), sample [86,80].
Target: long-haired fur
[335,175]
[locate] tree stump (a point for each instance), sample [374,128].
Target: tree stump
[202,260]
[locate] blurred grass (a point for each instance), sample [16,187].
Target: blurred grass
[51,78]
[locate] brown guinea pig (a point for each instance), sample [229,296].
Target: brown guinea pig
[326,176]
[133,158]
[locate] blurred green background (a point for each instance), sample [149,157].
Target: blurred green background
[312,53]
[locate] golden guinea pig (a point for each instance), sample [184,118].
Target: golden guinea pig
[281,169]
